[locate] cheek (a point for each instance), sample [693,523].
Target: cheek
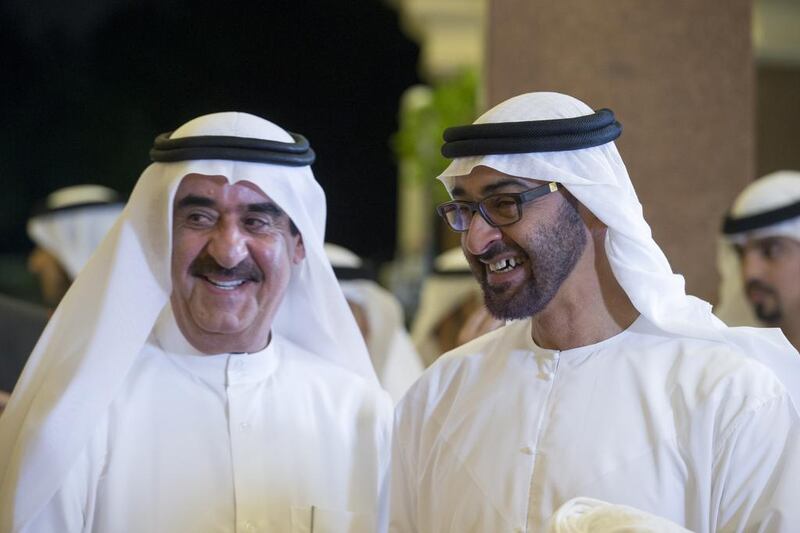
[785,272]
[272,255]
[185,248]
[789,280]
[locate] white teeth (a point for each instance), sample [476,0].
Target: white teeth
[227,285]
[494,267]
[504,265]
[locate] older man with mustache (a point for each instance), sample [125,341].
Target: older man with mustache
[203,373]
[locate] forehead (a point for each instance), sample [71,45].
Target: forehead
[220,190]
[483,179]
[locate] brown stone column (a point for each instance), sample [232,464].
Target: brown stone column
[678,74]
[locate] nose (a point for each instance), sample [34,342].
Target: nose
[752,265]
[480,235]
[228,246]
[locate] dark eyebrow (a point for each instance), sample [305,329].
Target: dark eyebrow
[502,184]
[493,187]
[266,208]
[192,200]
[456,191]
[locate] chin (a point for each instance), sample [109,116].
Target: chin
[215,343]
[221,322]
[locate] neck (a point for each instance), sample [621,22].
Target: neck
[589,307]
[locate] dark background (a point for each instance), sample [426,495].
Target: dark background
[87,85]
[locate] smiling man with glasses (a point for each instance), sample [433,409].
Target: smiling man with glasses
[496,209]
[610,382]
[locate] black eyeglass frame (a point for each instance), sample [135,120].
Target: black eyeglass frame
[518,197]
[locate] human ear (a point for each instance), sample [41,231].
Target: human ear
[299,250]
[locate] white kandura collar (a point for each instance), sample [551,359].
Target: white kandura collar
[575,356]
[215,369]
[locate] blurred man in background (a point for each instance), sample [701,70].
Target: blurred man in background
[380,318]
[66,230]
[451,310]
[759,256]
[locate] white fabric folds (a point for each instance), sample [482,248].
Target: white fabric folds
[92,340]
[597,177]
[587,515]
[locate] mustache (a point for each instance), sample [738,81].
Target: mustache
[204,266]
[758,285]
[496,249]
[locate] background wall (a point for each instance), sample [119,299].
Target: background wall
[86,87]
[778,117]
[679,75]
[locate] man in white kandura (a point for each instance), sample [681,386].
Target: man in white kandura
[379,316]
[67,229]
[203,373]
[759,259]
[611,383]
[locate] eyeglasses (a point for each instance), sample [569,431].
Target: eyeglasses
[497,209]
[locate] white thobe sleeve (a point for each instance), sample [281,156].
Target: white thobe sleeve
[71,509]
[756,471]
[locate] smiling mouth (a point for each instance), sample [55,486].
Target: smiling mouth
[505,265]
[228,285]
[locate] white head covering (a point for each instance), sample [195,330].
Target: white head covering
[74,222]
[768,193]
[449,285]
[105,318]
[598,179]
[393,355]
[587,515]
